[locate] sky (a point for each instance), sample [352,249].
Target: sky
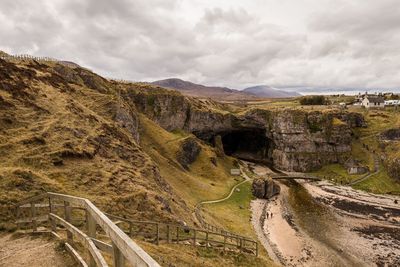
[281,43]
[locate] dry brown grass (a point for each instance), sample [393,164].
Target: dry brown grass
[63,137]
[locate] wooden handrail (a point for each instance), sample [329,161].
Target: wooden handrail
[123,246]
[88,243]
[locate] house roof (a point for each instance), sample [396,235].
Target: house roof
[376,99]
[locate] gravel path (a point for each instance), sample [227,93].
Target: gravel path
[34,251]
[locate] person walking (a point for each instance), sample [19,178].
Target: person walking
[271,215]
[267,215]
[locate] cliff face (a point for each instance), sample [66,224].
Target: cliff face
[295,140]
[306,141]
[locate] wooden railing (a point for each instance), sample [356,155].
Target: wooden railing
[213,228]
[157,232]
[63,210]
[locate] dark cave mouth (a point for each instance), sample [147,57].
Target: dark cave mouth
[250,144]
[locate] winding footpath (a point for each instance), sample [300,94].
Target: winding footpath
[247,179]
[197,210]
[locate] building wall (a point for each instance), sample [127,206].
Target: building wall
[368,104]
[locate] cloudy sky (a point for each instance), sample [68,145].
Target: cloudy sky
[231,43]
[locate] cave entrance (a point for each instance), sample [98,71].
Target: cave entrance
[252,145]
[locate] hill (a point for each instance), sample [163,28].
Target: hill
[269,92]
[65,129]
[202,91]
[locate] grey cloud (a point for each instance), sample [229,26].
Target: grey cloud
[344,44]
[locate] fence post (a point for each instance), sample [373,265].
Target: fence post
[158,234]
[177,234]
[33,215]
[119,260]
[241,245]
[206,239]
[168,237]
[51,211]
[67,213]
[91,229]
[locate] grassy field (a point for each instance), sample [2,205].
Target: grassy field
[336,173]
[235,211]
[236,215]
[380,183]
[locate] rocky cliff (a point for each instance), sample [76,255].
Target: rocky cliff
[291,139]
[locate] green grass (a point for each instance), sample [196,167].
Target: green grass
[235,211]
[380,183]
[336,173]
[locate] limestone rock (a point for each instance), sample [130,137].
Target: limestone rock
[296,140]
[265,187]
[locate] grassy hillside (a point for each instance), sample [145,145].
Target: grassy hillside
[65,130]
[68,130]
[203,180]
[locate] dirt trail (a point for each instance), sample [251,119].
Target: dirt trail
[34,251]
[246,179]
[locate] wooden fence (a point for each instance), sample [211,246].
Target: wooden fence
[20,58]
[63,210]
[211,227]
[157,232]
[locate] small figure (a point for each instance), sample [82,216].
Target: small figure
[271,215]
[267,215]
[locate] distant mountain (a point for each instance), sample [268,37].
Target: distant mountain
[198,90]
[269,92]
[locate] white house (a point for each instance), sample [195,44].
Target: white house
[375,101]
[392,102]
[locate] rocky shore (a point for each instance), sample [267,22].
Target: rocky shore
[341,227]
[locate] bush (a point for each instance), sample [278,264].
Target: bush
[313,100]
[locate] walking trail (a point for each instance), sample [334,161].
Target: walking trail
[244,175]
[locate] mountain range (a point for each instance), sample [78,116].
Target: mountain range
[223,93]
[269,92]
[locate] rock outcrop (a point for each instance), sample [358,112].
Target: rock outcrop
[294,139]
[188,152]
[265,187]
